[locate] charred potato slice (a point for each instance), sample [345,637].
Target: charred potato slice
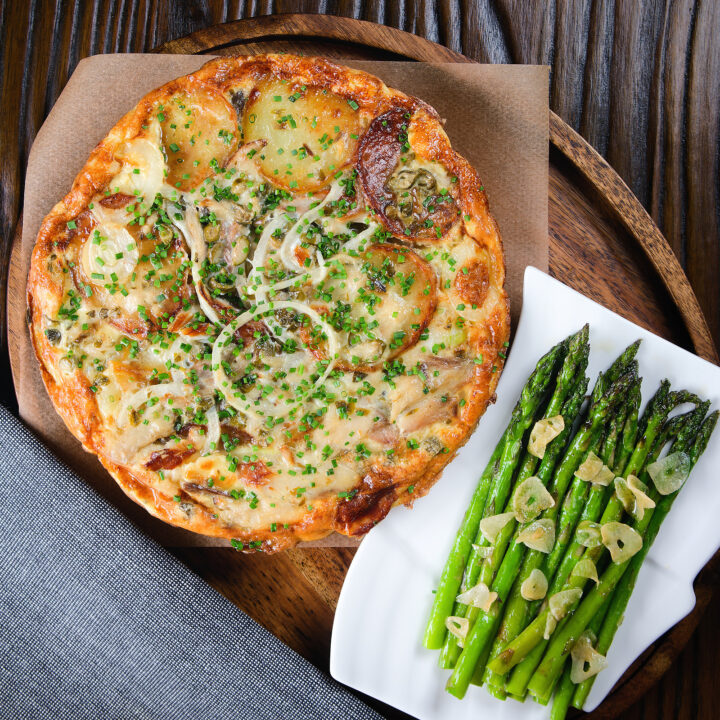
[410,196]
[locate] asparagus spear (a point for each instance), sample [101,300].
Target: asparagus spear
[573,365]
[482,632]
[563,639]
[532,636]
[517,608]
[653,440]
[621,596]
[485,496]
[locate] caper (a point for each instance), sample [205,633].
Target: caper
[211,233]
[402,180]
[54,336]
[425,181]
[220,284]
[433,446]
[164,233]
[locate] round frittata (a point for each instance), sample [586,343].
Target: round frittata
[272,302]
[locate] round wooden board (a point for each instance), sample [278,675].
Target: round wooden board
[602,243]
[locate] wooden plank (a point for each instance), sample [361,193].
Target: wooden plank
[679,145]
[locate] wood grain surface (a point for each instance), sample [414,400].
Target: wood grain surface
[639,80]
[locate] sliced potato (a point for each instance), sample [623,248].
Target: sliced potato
[311,133]
[199,133]
[381,301]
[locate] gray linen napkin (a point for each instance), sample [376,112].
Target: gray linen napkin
[98,621]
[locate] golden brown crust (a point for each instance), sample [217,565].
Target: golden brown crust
[384,485]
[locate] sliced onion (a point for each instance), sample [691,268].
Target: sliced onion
[561,602]
[356,244]
[458,626]
[586,661]
[670,473]
[255,285]
[621,540]
[478,596]
[530,499]
[227,332]
[585,569]
[293,237]
[543,433]
[588,534]
[192,230]
[212,434]
[491,526]
[535,586]
[140,397]
[539,535]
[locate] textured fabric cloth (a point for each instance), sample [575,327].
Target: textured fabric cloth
[98,621]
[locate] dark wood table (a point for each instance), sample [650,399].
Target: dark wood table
[639,79]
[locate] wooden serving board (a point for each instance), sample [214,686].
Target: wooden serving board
[602,243]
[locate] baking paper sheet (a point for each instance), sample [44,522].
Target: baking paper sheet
[495,115]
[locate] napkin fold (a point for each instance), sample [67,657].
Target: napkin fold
[99,621]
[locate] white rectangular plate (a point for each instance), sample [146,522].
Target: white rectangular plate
[384,604]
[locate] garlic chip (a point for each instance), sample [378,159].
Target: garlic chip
[631,493]
[670,472]
[535,586]
[588,534]
[539,535]
[604,477]
[593,470]
[458,626]
[478,596]
[624,494]
[550,625]
[483,551]
[491,526]
[543,432]
[621,540]
[642,501]
[586,661]
[561,602]
[585,569]
[590,467]
[530,499]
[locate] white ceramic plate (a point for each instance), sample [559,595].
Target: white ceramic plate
[387,595]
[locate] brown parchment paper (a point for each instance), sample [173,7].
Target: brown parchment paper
[495,115]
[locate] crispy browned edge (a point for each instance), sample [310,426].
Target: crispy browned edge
[377,493]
